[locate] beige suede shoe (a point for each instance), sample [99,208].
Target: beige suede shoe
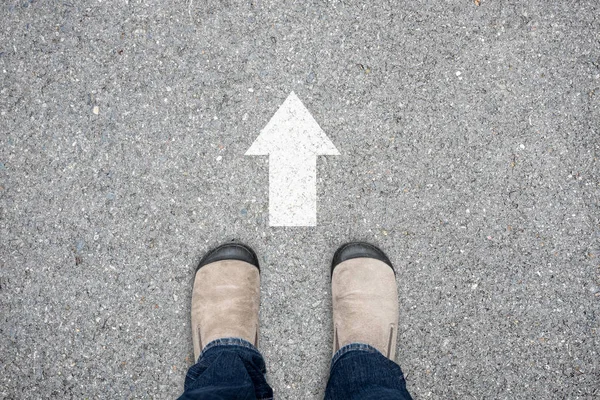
[226,296]
[365,298]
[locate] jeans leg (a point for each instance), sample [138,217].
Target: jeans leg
[360,372]
[228,369]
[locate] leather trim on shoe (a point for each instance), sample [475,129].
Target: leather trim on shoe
[352,250]
[199,332]
[336,340]
[389,347]
[230,251]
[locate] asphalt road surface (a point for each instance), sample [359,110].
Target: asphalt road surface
[469,138]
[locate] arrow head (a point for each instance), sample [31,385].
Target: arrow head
[292,129]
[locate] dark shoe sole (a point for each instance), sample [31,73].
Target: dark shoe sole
[352,250]
[230,251]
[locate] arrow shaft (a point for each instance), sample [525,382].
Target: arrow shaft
[292,189]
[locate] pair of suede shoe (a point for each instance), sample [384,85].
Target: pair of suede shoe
[226,297]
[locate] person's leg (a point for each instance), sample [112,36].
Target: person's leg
[225,303]
[228,368]
[365,323]
[361,372]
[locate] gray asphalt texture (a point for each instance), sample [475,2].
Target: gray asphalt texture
[469,141]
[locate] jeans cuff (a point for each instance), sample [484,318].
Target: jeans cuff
[353,347]
[230,341]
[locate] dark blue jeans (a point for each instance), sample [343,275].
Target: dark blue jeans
[233,368]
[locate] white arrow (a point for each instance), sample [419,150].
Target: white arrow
[293,140]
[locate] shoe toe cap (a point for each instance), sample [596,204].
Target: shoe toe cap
[230,251]
[352,250]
